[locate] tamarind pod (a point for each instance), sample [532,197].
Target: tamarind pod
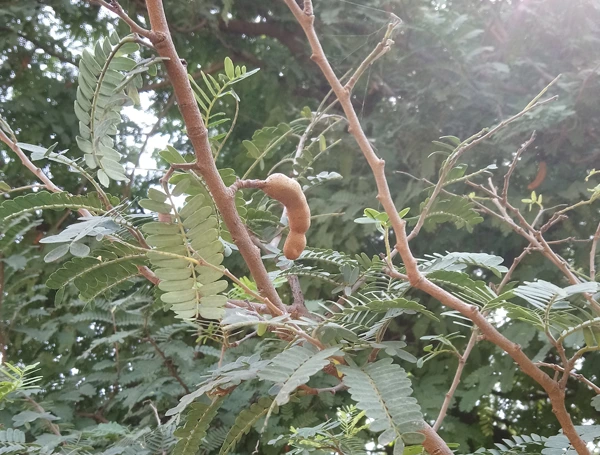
[289,192]
[540,177]
[299,218]
[294,245]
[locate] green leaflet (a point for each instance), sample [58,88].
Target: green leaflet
[243,423]
[294,367]
[16,228]
[12,440]
[474,292]
[188,184]
[382,389]
[328,256]
[459,261]
[44,200]
[104,75]
[450,209]
[16,214]
[190,290]
[553,311]
[197,423]
[533,444]
[108,268]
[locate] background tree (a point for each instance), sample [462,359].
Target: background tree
[453,70]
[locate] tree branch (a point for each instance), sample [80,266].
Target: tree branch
[380,50]
[416,279]
[196,130]
[433,443]
[577,376]
[534,236]
[512,269]
[38,407]
[168,363]
[467,145]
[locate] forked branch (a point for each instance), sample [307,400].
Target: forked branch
[433,443]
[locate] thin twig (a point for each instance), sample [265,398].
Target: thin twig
[535,237]
[513,165]
[168,363]
[114,7]
[464,147]
[260,308]
[379,51]
[512,268]
[38,407]
[12,144]
[241,340]
[316,391]
[22,188]
[462,360]
[577,376]
[593,254]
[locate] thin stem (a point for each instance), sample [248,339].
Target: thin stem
[257,307]
[512,269]
[513,165]
[462,360]
[96,96]
[233,123]
[535,237]
[314,391]
[593,254]
[168,363]
[272,308]
[116,8]
[28,164]
[38,407]
[241,340]
[22,188]
[577,376]
[381,49]
[33,168]
[265,152]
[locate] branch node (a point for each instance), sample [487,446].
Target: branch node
[158,38]
[197,131]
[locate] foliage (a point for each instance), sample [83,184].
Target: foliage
[142,349]
[16,379]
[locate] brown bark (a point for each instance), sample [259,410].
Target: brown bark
[196,130]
